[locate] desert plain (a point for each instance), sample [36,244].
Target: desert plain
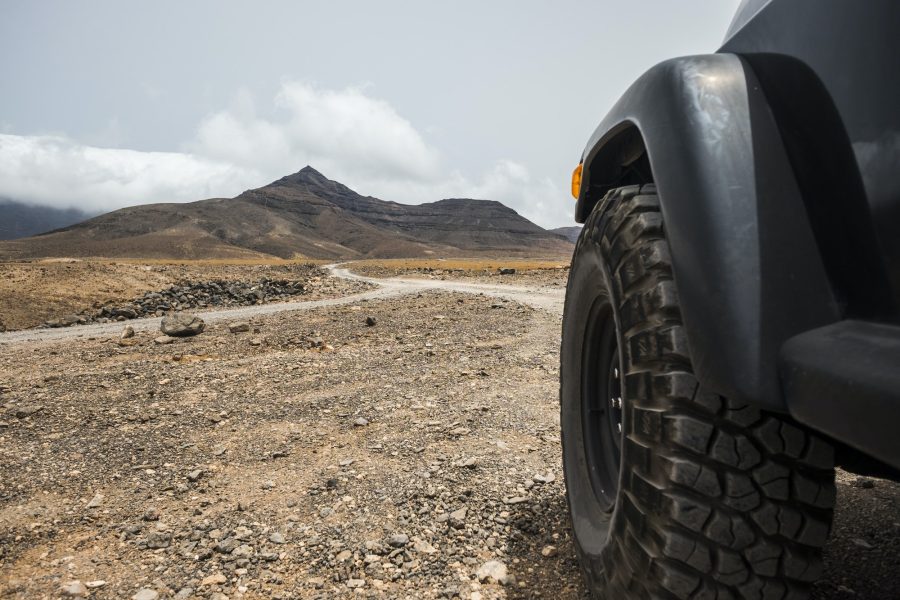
[383,429]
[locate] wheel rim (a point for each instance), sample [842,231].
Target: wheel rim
[602,404]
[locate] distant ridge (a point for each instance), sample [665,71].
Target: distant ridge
[570,233]
[18,220]
[304,214]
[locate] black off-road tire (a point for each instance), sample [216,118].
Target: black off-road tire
[712,498]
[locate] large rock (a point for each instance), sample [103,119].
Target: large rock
[182,325]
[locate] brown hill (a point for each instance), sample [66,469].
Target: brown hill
[304,214]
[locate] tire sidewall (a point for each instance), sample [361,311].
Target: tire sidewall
[589,282]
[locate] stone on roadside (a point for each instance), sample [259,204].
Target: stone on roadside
[548,478]
[74,589]
[276,537]
[398,540]
[371,321]
[158,539]
[145,594]
[181,324]
[424,547]
[239,327]
[507,271]
[549,551]
[27,410]
[493,570]
[214,579]
[96,501]
[128,332]
[361,422]
[164,339]
[457,518]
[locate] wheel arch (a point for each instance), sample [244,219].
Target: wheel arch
[744,254]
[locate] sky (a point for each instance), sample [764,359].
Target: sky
[107,104]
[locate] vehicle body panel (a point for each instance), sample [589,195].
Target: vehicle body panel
[777,162]
[725,188]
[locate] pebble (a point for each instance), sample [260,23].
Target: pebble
[361,422]
[164,339]
[276,537]
[28,410]
[424,547]
[158,539]
[74,589]
[96,501]
[371,321]
[457,518]
[864,483]
[516,500]
[398,540]
[239,327]
[195,475]
[493,570]
[549,551]
[548,478]
[128,332]
[214,579]
[145,594]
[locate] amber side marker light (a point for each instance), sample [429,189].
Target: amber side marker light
[576,181]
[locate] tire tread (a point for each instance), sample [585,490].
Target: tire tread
[719,499]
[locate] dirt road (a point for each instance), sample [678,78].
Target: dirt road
[316,456]
[547,298]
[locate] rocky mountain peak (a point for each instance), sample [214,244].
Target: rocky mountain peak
[310,181]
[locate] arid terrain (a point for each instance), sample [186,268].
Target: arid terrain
[394,438]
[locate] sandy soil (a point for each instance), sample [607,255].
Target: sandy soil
[316,456]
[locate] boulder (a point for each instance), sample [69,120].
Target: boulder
[181,324]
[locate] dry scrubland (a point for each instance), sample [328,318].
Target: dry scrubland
[316,456]
[33,292]
[528,271]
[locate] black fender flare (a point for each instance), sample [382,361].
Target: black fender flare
[745,259]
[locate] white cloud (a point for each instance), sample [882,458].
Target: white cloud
[347,135]
[57,171]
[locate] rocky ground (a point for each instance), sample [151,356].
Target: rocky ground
[320,454]
[313,455]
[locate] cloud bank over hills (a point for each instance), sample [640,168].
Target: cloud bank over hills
[360,139]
